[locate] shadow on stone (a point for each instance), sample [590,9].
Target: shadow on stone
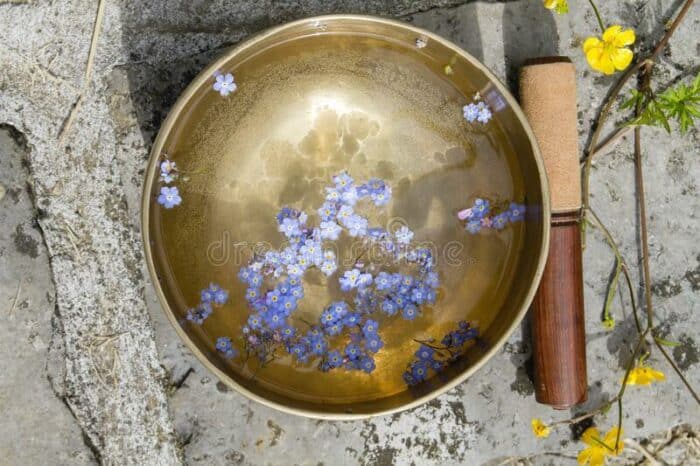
[460,25]
[169,42]
[529,31]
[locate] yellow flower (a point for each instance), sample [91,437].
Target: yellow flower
[611,53]
[609,323]
[560,6]
[540,428]
[599,448]
[644,375]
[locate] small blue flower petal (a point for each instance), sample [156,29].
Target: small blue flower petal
[169,197]
[367,364]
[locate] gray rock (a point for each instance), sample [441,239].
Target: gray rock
[37,427]
[110,376]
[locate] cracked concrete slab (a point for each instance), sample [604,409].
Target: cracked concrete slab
[110,377]
[138,396]
[28,301]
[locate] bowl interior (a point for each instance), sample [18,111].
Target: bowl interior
[375,99]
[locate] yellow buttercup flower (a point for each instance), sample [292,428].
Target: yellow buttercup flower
[540,429]
[644,375]
[611,53]
[598,449]
[560,6]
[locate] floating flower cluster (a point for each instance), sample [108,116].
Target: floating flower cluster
[224,83]
[480,215]
[210,297]
[169,196]
[224,346]
[433,357]
[477,111]
[345,335]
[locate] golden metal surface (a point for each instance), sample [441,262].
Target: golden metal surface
[371,96]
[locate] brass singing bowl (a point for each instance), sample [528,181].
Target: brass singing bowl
[377,98]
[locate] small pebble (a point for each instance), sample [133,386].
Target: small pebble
[222,387]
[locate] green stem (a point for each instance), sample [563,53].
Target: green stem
[642,341]
[435,347]
[618,398]
[597,15]
[603,444]
[643,227]
[634,304]
[621,260]
[592,144]
[607,318]
[644,84]
[575,420]
[610,100]
[678,371]
[592,148]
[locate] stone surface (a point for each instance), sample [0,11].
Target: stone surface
[86,136]
[28,301]
[103,362]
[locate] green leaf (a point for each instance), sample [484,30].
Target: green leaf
[661,341]
[608,321]
[636,98]
[680,103]
[661,117]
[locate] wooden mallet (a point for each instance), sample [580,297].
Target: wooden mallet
[548,98]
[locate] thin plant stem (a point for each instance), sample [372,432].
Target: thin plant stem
[597,15]
[678,371]
[650,458]
[669,32]
[610,99]
[639,177]
[618,398]
[610,141]
[575,420]
[612,96]
[625,269]
[642,338]
[592,149]
[607,106]
[630,288]
[89,65]
[435,347]
[644,85]
[600,122]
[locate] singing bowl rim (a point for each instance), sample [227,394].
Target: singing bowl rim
[153,165]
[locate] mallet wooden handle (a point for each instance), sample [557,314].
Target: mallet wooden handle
[548,97]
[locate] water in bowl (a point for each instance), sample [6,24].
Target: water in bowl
[301,113]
